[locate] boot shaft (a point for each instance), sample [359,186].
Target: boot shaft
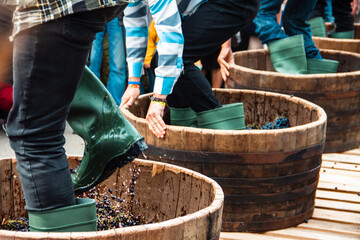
[80,217]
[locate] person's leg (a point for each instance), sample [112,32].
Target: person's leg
[252,40]
[209,63]
[294,22]
[319,9]
[316,19]
[328,15]
[48,62]
[96,53]
[117,60]
[267,26]
[151,80]
[344,20]
[211,25]
[255,43]
[216,79]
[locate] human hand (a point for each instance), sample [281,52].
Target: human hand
[225,57]
[147,65]
[354,7]
[154,119]
[130,95]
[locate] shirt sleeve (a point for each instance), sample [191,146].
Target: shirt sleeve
[170,46]
[136,29]
[153,39]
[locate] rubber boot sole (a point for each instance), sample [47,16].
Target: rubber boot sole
[117,162]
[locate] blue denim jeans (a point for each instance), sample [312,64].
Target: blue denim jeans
[48,61]
[323,8]
[116,83]
[294,22]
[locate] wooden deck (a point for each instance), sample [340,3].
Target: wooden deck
[337,211]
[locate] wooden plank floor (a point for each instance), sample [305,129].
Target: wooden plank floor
[337,211]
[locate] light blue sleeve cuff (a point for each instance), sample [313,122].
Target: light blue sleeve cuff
[135,69]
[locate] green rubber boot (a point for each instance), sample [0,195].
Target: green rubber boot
[110,140]
[80,217]
[288,55]
[227,117]
[183,117]
[321,66]
[317,27]
[342,35]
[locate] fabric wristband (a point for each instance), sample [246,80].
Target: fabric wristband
[161,103]
[134,83]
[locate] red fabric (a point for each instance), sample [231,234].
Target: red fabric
[3,85]
[6,97]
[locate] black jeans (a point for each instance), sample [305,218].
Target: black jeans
[48,62]
[319,9]
[211,25]
[344,20]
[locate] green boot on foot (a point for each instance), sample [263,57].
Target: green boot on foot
[316,66]
[110,140]
[227,117]
[183,117]
[288,55]
[342,35]
[80,217]
[317,27]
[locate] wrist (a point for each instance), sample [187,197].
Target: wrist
[163,104]
[161,101]
[133,84]
[226,44]
[162,96]
[134,79]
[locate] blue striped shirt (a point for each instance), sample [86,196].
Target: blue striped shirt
[167,17]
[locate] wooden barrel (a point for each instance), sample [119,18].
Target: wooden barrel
[269,177]
[351,45]
[180,203]
[338,94]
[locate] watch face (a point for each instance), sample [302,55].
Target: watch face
[157,99]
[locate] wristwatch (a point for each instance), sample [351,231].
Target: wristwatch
[155,99]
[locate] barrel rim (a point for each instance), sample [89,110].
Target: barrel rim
[296,76]
[339,40]
[320,112]
[216,205]
[356,40]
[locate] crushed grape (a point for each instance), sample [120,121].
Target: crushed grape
[279,123]
[110,209]
[19,224]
